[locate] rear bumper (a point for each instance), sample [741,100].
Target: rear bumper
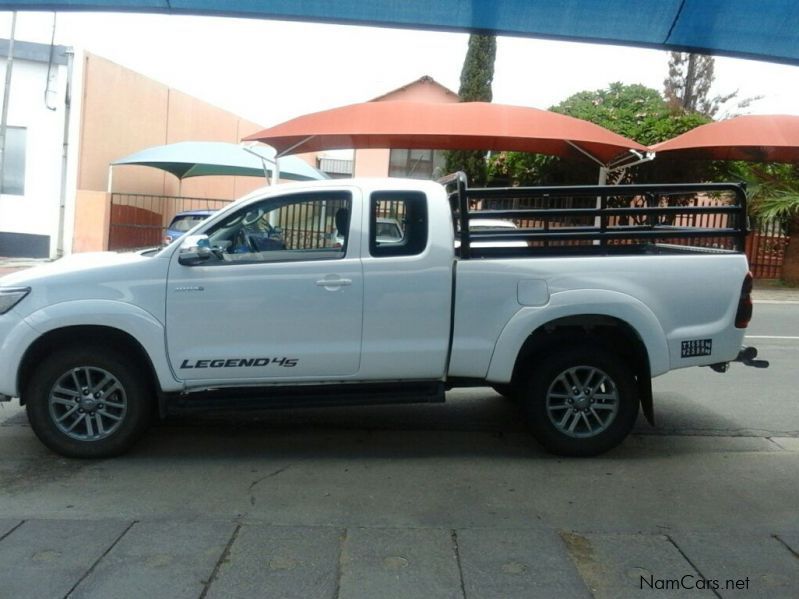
[746,356]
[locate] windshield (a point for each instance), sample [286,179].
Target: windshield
[388,231]
[184,222]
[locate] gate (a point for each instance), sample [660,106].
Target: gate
[139,220]
[765,248]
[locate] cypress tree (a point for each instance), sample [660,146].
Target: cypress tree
[476,78]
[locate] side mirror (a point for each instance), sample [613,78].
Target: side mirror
[195,250]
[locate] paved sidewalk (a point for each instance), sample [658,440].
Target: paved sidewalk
[218,558]
[772,291]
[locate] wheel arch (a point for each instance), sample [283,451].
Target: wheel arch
[83,336]
[126,322]
[615,319]
[580,308]
[596,330]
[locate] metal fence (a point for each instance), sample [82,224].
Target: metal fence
[140,220]
[765,248]
[309,224]
[765,244]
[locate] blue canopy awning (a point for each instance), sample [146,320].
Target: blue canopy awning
[206,158]
[760,29]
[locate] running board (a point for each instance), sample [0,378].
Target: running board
[303,396]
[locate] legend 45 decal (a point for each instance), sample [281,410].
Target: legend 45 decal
[240,363]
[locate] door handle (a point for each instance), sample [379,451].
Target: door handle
[331,283]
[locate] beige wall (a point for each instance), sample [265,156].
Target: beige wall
[424,90]
[123,112]
[374,163]
[92,221]
[371,163]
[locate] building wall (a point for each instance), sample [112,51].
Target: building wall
[374,163]
[371,163]
[123,112]
[29,222]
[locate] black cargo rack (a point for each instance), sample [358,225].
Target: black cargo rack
[599,219]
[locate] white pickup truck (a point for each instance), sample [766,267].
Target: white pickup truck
[289,297]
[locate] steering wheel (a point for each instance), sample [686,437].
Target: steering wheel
[251,243]
[252,216]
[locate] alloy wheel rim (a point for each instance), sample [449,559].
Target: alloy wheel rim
[87,403]
[582,401]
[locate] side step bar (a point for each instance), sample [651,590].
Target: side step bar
[304,396]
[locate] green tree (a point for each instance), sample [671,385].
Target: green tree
[634,111]
[477,75]
[773,193]
[687,87]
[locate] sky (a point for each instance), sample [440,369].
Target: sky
[271,71]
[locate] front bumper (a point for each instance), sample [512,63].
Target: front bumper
[16,335]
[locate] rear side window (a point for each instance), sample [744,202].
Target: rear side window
[398,223]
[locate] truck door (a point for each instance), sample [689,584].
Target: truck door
[282,297]
[408,287]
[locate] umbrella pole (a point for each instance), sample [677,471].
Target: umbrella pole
[266,170]
[276,171]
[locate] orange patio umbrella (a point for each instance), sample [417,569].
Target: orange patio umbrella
[754,138]
[450,126]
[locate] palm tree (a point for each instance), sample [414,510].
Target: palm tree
[773,191]
[784,205]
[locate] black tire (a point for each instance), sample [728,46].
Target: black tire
[105,423]
[587,423]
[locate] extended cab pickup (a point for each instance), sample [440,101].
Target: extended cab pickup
[612,286]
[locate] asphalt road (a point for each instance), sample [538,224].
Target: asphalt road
[448,500]
[742,401]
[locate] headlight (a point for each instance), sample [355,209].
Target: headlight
[11,296]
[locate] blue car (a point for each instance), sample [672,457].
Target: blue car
[183,221]
[257,235]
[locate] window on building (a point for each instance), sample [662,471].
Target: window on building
[416,164]
[14,167]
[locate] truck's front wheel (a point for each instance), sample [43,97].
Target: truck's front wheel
[581,401]
[88,403]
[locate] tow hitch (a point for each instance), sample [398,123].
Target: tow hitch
[746,356]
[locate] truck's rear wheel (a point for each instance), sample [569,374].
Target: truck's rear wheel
[88,403]
[581,401]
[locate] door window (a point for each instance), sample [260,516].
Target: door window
[311,226]
[398,223]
